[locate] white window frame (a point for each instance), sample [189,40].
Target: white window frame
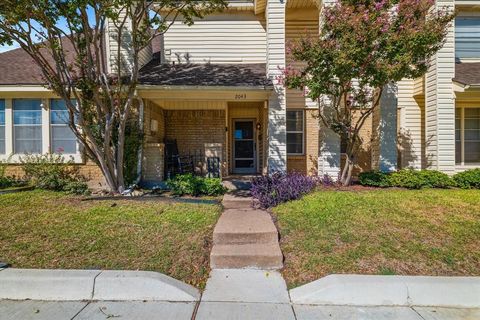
[462,162]
[302,132]
[41,125]
[14,158]
[77,144]
[465,15]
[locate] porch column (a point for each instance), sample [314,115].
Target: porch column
[384,145]
[440,104]
[277,130]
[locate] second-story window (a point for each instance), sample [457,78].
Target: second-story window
[467,38]
[27,123]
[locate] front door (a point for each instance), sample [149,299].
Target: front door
[244,147]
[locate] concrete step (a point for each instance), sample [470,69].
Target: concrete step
[232,201]
[234,256]
[237,226]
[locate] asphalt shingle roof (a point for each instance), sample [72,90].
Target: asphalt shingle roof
[17,68]
[467,73]
[228,75]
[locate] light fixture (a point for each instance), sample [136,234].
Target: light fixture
[259,126]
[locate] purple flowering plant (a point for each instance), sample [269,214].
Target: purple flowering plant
[270,191]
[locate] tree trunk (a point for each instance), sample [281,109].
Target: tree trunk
[346,177]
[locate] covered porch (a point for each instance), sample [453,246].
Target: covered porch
[209,132]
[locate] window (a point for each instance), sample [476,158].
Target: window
[467,135]
[2,126]
[295,128]
[27,124]
[62,138]
[467,37]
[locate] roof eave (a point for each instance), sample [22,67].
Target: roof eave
[207,88]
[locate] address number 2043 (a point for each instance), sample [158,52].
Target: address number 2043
[240,96]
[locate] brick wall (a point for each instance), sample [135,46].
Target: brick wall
[153,112]
[89,170]
[194,128]
[308,163]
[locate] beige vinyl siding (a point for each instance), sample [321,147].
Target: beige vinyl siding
[126,56]
[296,28]
[277,137]
[440,105]
[219,38]
[410,131]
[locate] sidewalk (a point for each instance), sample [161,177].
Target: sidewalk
[232,294]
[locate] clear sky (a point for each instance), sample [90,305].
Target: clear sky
[7,48]
[61,23]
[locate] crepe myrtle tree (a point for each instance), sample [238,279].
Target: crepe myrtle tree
[363,46]
[66,39]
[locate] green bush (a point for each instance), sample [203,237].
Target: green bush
[52,172]
[406,178]
[10,182]
[76,187]
[6,181]
[469,179]
[188,184]
[435,179]
[374,179]
[212,187]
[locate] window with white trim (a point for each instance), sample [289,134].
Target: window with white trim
[62,138]
[467,37]
[27,126]
[467,135]
[295,132]
[2,126]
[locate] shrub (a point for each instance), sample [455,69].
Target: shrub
[188,184]
[469,179]
[10,182]
[6,181]
[212,187]
[270,191]
[406,178]
[76,187]
[374,179]
[436,179]
[52,172]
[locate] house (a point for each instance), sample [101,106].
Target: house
[211,90]
[439,114]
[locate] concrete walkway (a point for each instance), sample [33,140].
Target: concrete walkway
[245,237]
[232,294]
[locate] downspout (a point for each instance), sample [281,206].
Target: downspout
[140,150]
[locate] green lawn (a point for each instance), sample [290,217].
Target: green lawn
[426,232]
[41,229]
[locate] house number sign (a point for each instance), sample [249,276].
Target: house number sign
[240,96]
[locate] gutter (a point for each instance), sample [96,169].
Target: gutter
[466,87]
[206,88]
